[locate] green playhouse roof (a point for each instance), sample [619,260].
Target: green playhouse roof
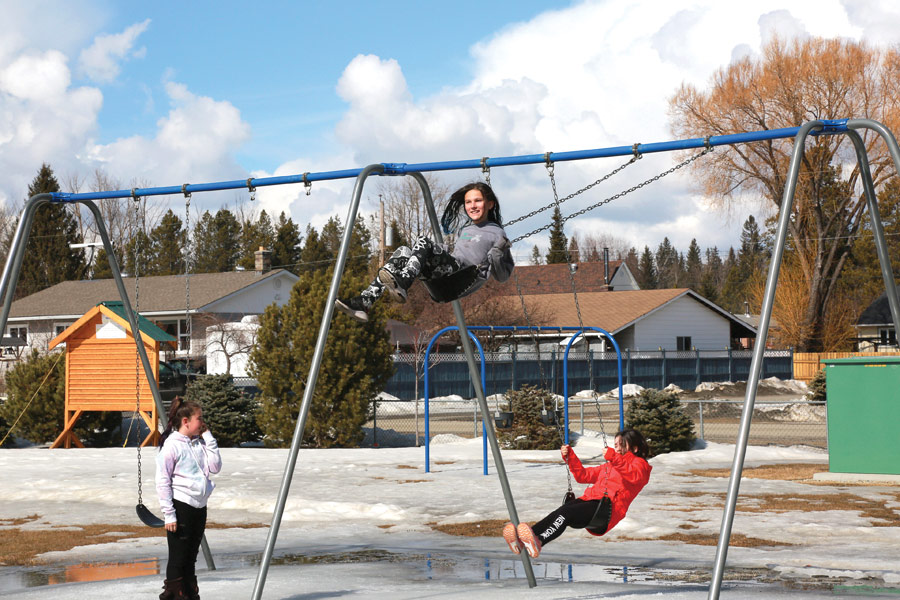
[147,327]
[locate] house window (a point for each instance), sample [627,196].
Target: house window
[888,336]
[58,328]
[19,332]
[178,329]
[683,342]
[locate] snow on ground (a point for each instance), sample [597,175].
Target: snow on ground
[382,501]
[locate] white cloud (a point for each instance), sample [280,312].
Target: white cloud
[100,61]
[195,142]
[596,74]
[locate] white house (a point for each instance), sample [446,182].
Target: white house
[183,306]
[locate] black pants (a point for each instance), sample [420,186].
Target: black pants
[577,513]
[184,542]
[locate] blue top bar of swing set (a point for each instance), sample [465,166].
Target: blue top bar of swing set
[830,126]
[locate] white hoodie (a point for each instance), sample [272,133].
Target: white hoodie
[183,467]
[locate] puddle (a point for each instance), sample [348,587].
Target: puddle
[456,567]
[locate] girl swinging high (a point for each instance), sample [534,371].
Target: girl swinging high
[473,213]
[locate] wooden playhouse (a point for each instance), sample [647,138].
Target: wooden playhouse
[103,370]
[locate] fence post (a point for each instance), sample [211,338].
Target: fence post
[730,365]
[627,365]
[662,379]
[702,437]
[375,423]
[591,368]
[513,386]
[697,379]
[553,370]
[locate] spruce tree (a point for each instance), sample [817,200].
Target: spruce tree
[536,258]
[661,418]
[287,246]
[48,258]
[101,268]
[253,236]
[231,416]
[216,242]
[693,266]
[667,265]
[355,367]
[168,242]
[138,259]
[557,253]
[646,272]
[528,431]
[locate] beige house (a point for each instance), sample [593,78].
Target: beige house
[183,307]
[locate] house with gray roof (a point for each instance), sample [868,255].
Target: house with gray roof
[875,327]
[182,306]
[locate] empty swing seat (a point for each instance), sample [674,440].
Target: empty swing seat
[453,286]
[147,517]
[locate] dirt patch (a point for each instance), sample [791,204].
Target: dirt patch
[489,528]
[406,467]
[737,539]
[22,547]
[785,472]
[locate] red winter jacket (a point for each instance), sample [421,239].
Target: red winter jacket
[622,477]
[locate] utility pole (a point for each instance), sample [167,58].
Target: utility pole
[381,232]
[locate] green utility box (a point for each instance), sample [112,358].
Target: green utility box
[863,414]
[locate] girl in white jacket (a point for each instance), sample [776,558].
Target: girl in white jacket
[189,455]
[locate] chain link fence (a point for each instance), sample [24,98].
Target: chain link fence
[785,422]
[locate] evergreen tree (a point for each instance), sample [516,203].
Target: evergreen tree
[711,279]
[667,265]
[48,258]
[36,390]
[101,268]
[661,418]
[355,367]
[216,242]
[253,236]
[528,431]
[693,266]
[646,272]
[536,258]
[286,251]
[168,242]
[633,262]
[751,260]
[314,255]
[229,413]
[574,251]
[732,297]
[139,256]
[558,242]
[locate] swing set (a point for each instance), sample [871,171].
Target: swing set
[847,127]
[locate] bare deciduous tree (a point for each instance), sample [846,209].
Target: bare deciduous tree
[789,84]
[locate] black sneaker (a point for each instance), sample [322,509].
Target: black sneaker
[353,308]
[394,283]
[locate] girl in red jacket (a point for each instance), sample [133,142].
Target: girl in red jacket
[616,482]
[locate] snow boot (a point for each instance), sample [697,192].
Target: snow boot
[512,540]
[395,284]
[354,308]
[529,540]
[173,589]
[191,589]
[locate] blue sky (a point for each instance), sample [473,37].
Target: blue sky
[163,93]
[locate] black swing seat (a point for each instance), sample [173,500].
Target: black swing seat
[600,521]
[147,517]
[453,286]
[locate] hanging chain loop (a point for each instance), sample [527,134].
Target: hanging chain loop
[606,200]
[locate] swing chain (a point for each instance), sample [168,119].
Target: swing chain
[187,275]
[653,179]
[573,194]
[136,335]
[307,183]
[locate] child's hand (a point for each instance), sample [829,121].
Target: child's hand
[171,527]
[203,427]
[564,450]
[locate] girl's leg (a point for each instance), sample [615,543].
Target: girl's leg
[394,264]
[197,528]
[179,542]
[577,514]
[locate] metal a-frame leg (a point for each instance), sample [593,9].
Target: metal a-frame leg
[740,450]
[316,364]
[10,279]
[475,377]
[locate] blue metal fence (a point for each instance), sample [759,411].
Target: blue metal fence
[449,374]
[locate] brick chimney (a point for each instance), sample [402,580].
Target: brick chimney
[263,260]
